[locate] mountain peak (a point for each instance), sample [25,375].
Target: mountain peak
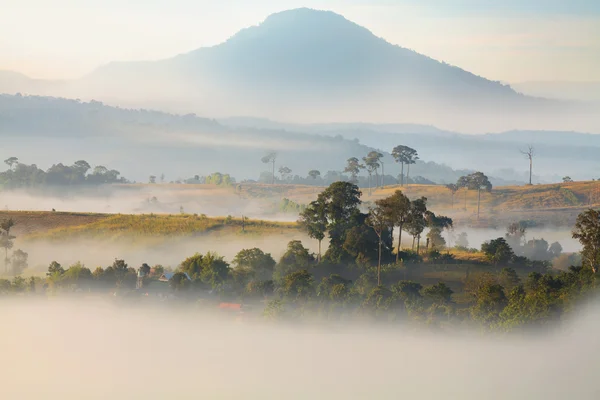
[308,15]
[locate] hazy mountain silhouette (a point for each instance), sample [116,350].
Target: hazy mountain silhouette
[305,65]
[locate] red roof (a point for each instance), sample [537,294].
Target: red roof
[232,306]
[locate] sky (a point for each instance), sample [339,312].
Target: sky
[509,41]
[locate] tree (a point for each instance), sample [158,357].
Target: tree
[587,231]
[353,168]
[259,263]
[192,266]
[404,155]
[378,221]
[314,174]
[529,154]
[152,179]
[55,268]
[491,300]
[397,210]
[6,240]
[372,163]
[314,220]
[478,181]
[284,172]
[567,179]
[296,258]
[453,188]
[145,269]
[18,261]
[497,251]
[340,203]
[408,291]
[439,293]
[11,161]
[416,220]
[270,158]
[334,288]
[463,182]
[509,279]
[462,240]
[436,225]
[179,282]
[298,284]
[215,270]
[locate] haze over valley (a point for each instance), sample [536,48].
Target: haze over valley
[289,199]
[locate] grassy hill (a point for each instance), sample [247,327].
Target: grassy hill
[60,226]
[557,204]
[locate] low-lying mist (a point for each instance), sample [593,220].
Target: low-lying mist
[476,236]
[95,350]
[168,252]
[144,200]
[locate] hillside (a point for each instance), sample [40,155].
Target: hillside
[544,205]
[310,65]
[140,142]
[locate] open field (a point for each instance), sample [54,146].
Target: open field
[550,205]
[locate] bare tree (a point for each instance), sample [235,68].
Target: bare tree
[529,153]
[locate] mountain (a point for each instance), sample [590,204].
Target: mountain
[564,90]
[306,65]
[140,142]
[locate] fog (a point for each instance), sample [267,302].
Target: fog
[139,200]
[476,236]
[92,349]
[166,252]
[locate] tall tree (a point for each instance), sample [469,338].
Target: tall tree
[314,220]
[398,211]
[529,153]
[284,172]
[11,161]
[411,159]
[270,158]
[478,181]
[340,203]
[417,221]
[353,168]
[587,231]
[6,239]
[372,163]
[378,221]
[453,188]
[314,174]
[463,182]
[404,155]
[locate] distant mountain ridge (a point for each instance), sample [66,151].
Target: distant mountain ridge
[315,66]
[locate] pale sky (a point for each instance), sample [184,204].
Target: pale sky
[506,40]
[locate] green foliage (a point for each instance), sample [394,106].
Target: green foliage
[260,264]
[587,231]
[497,251]
[296,258]
[215,270]
[179,282]
[298,285]
[439,293]
[21,175]
[291,207]
[219,179]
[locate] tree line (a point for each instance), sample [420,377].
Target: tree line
[20,175]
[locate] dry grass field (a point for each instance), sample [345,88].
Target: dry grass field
[557,204]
